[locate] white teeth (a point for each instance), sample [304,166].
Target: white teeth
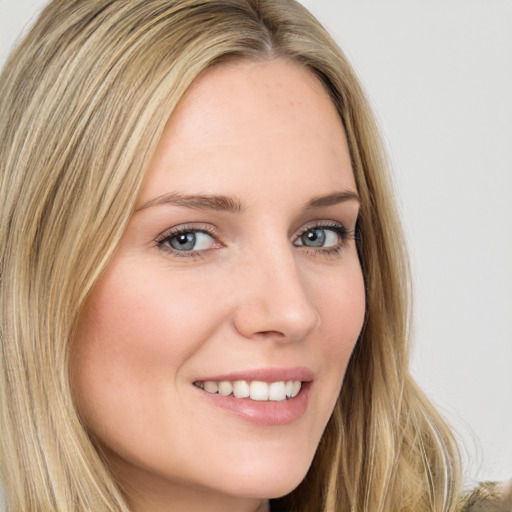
[255,390]
[225,388]
[241,389]
[259,390]
[211,386]
[296,388]
[277,391]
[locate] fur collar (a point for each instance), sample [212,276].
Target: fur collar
[489,497]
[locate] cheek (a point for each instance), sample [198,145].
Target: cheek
[135,332]
[131,315]
[342,302]
[343,309]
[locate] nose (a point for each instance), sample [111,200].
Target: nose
[273,299]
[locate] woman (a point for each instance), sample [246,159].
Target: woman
[199,246]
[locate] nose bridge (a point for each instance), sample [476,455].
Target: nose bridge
[275,301]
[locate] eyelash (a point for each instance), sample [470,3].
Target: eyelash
[345,236]
[182,230]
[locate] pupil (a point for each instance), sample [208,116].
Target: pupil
[184,242]
[315,238]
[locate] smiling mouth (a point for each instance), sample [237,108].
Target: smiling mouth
[254,390]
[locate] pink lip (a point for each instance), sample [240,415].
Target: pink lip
[267,413]
[265,375]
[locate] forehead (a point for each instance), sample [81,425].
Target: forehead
[248,91]
[254,121]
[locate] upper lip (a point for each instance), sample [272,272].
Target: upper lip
[264,375]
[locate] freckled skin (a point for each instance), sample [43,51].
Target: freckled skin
[267,134]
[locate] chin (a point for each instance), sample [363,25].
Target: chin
[265,487]
[269,478]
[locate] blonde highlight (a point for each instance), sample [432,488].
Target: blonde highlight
[84,100]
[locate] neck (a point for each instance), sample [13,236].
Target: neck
[184,499]
[218,505]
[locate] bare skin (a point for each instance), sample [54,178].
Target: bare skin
[240,264]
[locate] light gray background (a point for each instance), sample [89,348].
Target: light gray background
[439,74]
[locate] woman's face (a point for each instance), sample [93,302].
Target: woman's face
[238,270]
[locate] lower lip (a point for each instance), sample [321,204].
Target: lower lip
[265,413]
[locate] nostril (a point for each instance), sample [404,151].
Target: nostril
[263,335]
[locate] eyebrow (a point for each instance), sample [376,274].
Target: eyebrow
[233,205]
[196,202]
[332,199]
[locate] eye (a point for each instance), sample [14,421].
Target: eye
[186,240]
[323,237]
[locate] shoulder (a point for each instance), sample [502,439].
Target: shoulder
[489,497]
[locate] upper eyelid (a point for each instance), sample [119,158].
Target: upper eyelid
[340,229]
[320,224]
[214,232]
[184,228]
[193,254]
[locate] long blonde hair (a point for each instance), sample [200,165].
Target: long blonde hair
[84,99]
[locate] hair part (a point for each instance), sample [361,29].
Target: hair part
[84,100]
